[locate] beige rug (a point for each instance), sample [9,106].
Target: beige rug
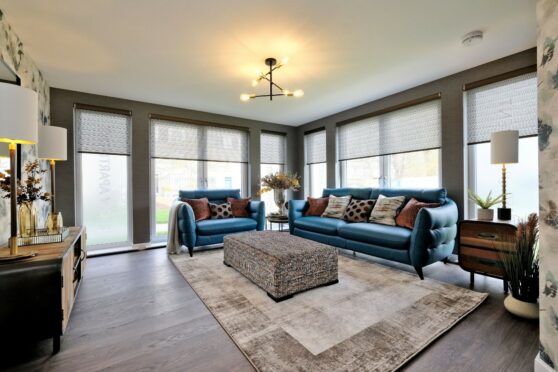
[375,319]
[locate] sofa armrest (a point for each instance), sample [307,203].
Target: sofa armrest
[434,227]
[296,210]
[257,212]
[186,226]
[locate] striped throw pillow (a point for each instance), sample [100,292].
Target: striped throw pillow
[386,209]
[336,206]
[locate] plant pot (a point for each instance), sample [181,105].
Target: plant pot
[485,214]
[27,219]
[527,310]
[280,197]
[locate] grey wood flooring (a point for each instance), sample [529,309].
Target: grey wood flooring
[136,312]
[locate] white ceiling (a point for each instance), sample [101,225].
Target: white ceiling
[202,54]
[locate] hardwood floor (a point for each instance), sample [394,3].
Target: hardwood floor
[135,312]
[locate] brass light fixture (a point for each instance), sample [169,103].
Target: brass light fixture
[268,76]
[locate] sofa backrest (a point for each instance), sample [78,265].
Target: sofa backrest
[437,195]
[216,196]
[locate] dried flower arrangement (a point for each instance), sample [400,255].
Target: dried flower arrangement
[280,181]
[29,189]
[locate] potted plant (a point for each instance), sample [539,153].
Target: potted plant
[519,256]
[484,213]
[28,190]
[279,183]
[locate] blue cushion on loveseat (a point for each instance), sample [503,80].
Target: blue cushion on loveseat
[374,233]
[225,226]
[323,225]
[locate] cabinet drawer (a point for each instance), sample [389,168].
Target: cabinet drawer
[493,236]
[481,265]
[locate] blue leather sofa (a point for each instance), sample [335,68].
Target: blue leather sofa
[207,232]
[431,240]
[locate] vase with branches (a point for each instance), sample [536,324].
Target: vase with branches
[279,183]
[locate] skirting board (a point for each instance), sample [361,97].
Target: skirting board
[541,366]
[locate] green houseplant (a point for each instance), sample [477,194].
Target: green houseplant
[485,213]
[520,262]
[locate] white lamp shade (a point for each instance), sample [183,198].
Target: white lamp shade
[18,114]
[52,143]
[504,147]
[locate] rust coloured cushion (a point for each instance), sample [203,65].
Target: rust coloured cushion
[317,206]
[200,207]
[239,207]
[408,215]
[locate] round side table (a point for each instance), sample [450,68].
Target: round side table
[280,220]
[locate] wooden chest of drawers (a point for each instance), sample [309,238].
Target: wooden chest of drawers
[479,245]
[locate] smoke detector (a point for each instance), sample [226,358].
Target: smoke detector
[472,38]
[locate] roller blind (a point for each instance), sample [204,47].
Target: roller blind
[177,140]
[315,147]
[509,104]
[413,128]
[273,148]
[102,132]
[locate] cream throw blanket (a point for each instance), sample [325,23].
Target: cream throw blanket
[173,245]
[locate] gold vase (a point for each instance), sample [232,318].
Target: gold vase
[54,222]
[27,219]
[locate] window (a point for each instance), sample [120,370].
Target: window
[103,148]
[273,157]
[315,159]
[397,149]
[193,156]
[509,104]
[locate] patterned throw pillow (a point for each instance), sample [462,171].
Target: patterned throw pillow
[239,207]
[358,210]
[336,206]
[200,208]
[386,209]
[220,211]
[410,212]
[316,206]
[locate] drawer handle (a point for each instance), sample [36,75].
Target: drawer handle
[487,236]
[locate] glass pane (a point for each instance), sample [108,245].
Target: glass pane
[104,180]
[267,198]
[318,179]
[221,175]
[522,178]
[415,169]
[170,177]
[363,172]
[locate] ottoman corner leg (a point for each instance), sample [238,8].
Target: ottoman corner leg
[279,299]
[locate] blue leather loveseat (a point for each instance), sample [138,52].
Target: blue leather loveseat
[207,232]
[431,240]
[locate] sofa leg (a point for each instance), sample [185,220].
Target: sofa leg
[354,253]
[419,272]
[191,251]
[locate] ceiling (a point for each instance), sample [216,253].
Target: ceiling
[202,55]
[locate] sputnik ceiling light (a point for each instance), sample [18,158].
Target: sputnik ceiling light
[273,65]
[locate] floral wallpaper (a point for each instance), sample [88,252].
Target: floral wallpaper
[13,54]
[547,60]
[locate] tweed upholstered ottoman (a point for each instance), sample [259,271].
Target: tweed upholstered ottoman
[279,263]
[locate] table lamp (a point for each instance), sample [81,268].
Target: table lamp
[53,147]
[504,148]
[18,125]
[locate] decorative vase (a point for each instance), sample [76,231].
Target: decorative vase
[485,214]
[27,219]
[54,222]
[527,310]
[280,197]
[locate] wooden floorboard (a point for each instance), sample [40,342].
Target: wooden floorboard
[135,312]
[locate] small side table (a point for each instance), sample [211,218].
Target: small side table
[280,220]
[478,243]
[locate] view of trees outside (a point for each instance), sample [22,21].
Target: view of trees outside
[363,172]
[172,175]
[267,197]
[522,178]
[104,180]
[318,179]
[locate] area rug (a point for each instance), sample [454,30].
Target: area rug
[375,319]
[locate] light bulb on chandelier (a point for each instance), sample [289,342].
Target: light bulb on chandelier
[273,66]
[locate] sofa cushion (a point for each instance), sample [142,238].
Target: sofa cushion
[358,210]
[336,206]
[220,211]
[373,233]
[385,209]
[322,225]
[225,226]
[316,206]
[200,208]
[408,214]
[355,192]
[239,206]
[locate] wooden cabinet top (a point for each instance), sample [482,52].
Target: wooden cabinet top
[45,252]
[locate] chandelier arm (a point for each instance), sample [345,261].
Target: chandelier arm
[278,87]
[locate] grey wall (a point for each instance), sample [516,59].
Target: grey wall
[62,102]
[453,143]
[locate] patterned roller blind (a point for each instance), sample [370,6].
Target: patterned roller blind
[315,147]
[506,105]
[273,148]
[177,140]
[413,128]
[102,132]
